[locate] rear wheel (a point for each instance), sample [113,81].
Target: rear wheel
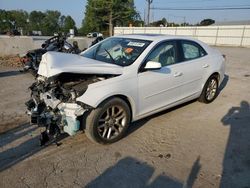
[210,90]
[108,122]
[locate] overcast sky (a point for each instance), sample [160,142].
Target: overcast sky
[76,8]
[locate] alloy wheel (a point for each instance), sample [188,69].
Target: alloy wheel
[211,89]
[112,122]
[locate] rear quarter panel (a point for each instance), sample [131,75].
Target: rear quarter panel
[216,65]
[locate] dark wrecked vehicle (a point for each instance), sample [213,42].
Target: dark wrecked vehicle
[32,58]
[120,80]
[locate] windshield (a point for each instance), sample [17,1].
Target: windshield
[119,51]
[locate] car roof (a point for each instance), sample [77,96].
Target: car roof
[153,37]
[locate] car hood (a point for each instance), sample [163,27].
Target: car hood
[54,63]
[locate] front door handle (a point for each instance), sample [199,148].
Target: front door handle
[205,66]
[177,74]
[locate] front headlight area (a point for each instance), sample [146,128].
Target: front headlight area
[65,112]
[62,109]
[54,107]
[54,103]
[56,116]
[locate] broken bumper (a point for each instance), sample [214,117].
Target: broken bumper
[57,116]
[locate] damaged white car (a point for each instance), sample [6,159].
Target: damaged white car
[120,80]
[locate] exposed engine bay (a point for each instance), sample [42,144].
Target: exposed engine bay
[53,103]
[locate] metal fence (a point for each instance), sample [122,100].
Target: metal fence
[213,35]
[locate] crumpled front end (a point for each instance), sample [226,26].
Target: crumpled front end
[53,103]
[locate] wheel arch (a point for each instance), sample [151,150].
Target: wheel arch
[217,74]
[126,99]
[202,97]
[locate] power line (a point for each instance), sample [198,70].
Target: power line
[185,1]
[215,8]
[190,1]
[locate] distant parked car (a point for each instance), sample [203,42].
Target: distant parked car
[94,34]
[120,80]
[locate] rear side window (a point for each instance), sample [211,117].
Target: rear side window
[192,50]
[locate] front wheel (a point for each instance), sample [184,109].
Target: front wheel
[210,90]
[108,122]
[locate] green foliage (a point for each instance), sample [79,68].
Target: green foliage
[162,22]
[10,20]
[207,22]
[51,22]
[48,22]
[19,17]
[36,20]
[4,25]
[69,23]
[103,14]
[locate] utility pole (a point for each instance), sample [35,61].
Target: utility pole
[144,16]
[149,3]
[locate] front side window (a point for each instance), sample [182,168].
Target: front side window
[119,51]
[192,50]
[165,54]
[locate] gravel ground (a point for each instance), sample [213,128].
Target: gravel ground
[14,92]
[193,145]
[10,61]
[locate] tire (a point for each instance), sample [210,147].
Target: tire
[210,90]
[108,123]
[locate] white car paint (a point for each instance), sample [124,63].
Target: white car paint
[147,92]
[54,63]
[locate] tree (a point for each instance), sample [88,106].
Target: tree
[103,14]
[62,21]
[69,23]
[36,20]
[47,22]
[19,17]
[162,22]
[12,20]
[51,22]
[90,22]
[4,21]
[207,22]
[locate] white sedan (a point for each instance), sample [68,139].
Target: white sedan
[120,80]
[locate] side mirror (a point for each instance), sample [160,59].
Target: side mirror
[152,65]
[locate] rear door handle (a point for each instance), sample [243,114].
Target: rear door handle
[177,74]
[205,66]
